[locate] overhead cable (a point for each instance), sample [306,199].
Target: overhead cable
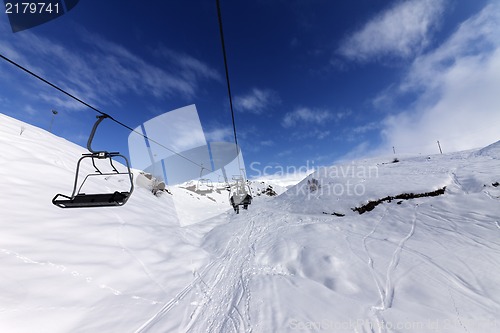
[95,109]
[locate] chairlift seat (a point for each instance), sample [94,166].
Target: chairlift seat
[240,195]
[83,200]
[204,186]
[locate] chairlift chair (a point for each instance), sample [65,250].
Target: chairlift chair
[204,185]
[79,199]
[239,195]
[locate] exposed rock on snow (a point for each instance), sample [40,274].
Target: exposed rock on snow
[404,196]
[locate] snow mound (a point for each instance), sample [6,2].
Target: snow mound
[340,188]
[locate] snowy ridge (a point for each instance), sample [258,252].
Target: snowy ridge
[419,265]
[492,150]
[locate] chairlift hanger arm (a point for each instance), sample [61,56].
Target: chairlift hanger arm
[100,118]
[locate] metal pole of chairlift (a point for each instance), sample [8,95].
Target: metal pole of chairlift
[224,175]
[243,173]
[54,112]
[201,171]
[439,145]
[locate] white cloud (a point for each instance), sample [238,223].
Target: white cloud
[190,68]
[314,133]
[365,128]
[102,72]
[30,110]
[305,115]
[400,31]
[457,92]
[64,103]
[124,71]
[220,134]
[342,115]
[284,153]
[320,135]
[267,143]
[257,101]
[473,38]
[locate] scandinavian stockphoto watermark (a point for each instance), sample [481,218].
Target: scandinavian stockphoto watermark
[338,180]
[431,325]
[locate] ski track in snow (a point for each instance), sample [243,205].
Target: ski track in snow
[451,227]
[459,320]
[386,293]
[174,301]
[221,291]
[89,280]
[478,297]
[224,296]
[474,293]
[131,253]
[389,285]
[374,314]
[457,182]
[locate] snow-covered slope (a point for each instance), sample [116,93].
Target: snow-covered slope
[430,264]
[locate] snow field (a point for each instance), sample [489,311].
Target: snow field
[423,265]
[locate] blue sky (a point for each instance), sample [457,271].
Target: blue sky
[313,81]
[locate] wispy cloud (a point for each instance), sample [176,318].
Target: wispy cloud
[65,103]
[306,115]
[400,31]
[30,110]
[284,153]
[342,115]
[313,123]
[456,92]
[257,101]
[366,128]
[267,143]
[126,71]
[475,39]
[190,68]
[219,134]
[320,135]
[103,72]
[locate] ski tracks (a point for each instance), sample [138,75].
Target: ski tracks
[457,311]
[124,247]
[221,291]
[174,301]
[227,296]
[386,292]
[389,284]
[368,254]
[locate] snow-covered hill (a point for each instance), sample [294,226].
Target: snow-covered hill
[430,264]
